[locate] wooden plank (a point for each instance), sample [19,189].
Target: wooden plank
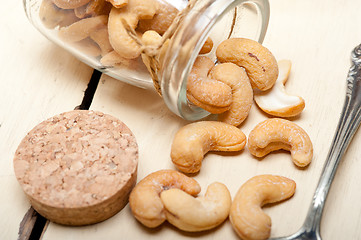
[38,80]
[318,39]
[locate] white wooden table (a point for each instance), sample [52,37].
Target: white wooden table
[39,80]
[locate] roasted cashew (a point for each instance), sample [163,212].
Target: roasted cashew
[246,215]
[194,140]
[242,92]
[145,202]
[135,10]
[276,101]
[258,61]
[101,37]
[52,16]
[197,214]
[161,20]
[82,28]
[207,46]
[152,38]
[70,4]
[88,47]
[118,3]
[112,59]
[209,94]
[276,133]
[93,8]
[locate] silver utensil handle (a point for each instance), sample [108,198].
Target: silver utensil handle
[347,126]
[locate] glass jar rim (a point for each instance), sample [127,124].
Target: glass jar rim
[186,44]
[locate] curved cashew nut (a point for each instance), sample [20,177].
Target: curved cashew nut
[135,10]
[101,37]
[144,199]
[82,28]
[52,16]
[276,101]
[161,20]
[194,140]
[66,4]
[258,61]
[88,47]
[197,214]
[276,133]
[242,93]
[209,94]
[246,215]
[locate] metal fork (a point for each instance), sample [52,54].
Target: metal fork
[347,126]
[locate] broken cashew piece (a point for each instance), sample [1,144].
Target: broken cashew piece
[197,214]
[118,3]
[246,215]
[276,101]
[119,38]
[194,140]
[145,202]
[242,92]
[258,61]
[207,93]
[277,133]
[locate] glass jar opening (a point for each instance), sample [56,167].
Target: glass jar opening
[219,20]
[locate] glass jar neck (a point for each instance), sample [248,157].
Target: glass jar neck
[219,19]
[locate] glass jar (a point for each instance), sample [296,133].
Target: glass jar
[199,19]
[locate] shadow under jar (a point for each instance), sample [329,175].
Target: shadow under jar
[94,32]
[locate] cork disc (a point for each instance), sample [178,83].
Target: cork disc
[78,167]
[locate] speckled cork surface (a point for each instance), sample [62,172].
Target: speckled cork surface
[78,167]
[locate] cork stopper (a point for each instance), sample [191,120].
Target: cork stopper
[78,167]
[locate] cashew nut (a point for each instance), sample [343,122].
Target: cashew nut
[66,4]
[209,94]
[161,20]
[52,16]
[93,8]
[88,47]
[118,3]
[276,101]
[194,140]
[207,46]
[197,214]
[276,133]
[145,202]
[246,215]
[152,38]
[101,37]
[258,61]
[112,59]
[119,38]
[242,93]
[82,28]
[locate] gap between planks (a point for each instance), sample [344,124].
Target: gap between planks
[33,224]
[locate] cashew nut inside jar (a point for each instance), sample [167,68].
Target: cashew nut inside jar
[150,44]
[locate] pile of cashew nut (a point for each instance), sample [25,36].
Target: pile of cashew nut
[245,71]
[97,26]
